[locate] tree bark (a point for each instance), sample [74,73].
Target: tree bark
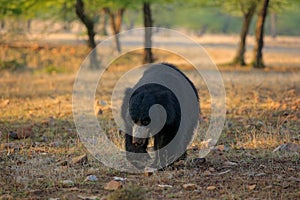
[247,17]
[116,24]
[259,36]
[87,21]
[148,23]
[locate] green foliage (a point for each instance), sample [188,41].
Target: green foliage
[236,7]
[199,18]
[15,7]
[199,15]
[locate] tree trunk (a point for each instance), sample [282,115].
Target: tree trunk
[148,57]
[259,36]
[247,17]
[2,24]
[87,21]
[116,23]
[273,25]
[103,22]
[29,25]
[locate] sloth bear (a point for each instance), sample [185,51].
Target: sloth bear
[164,125]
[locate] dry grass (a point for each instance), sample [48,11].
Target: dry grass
[263,111]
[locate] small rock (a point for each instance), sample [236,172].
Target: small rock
[91,178]
[252,187]
[80,159]
[189,186]
[6,197]
[54,199]
[67,183]
[164,186]
[116,178]
[102,103]
[113,185]
[212,187]
[221,147]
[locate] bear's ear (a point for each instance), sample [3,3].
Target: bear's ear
[128,92]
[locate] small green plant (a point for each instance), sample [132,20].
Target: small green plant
[11,65]
[51,69]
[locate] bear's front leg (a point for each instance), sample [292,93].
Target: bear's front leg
[135,154]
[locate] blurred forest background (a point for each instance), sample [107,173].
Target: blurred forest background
[199,17]
[74,22]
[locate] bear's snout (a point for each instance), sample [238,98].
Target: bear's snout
[138,141]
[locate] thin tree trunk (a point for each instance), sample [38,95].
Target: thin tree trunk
[247,17]
[29,25]
[148,57]
[103,22]
[116,23]
[273,25]
[87,21]
[259,36]
[2,24]
[64,10]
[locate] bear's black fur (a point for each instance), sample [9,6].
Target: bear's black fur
[140,102]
